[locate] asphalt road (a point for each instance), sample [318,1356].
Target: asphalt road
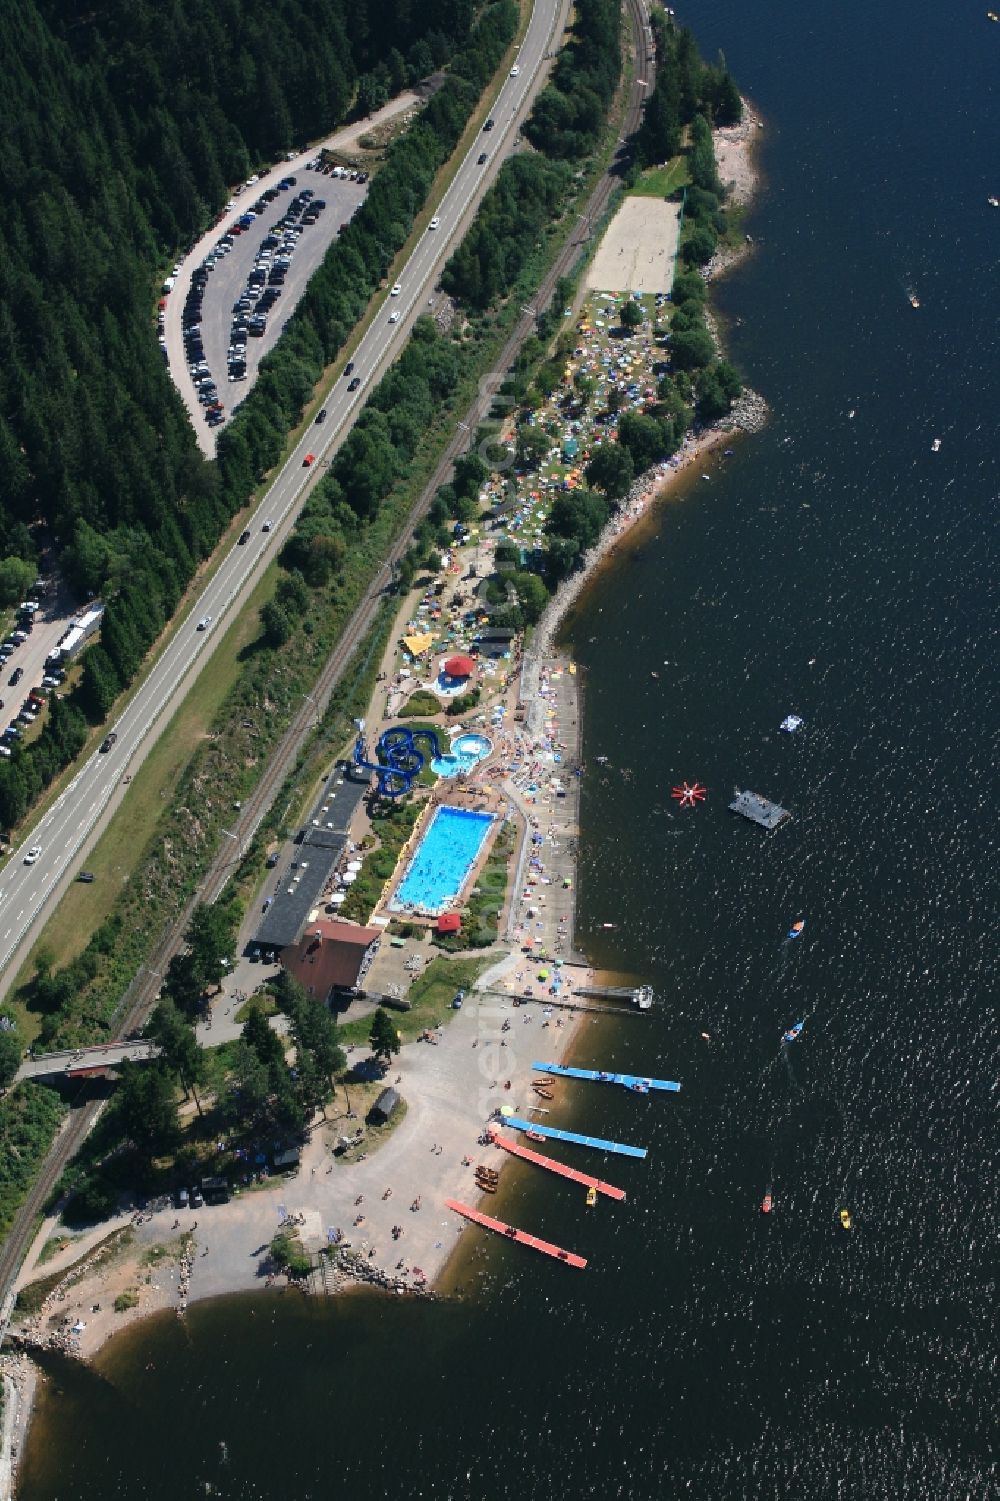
[28,893]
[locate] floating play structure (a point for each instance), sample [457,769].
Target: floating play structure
[398,761]
[689,794]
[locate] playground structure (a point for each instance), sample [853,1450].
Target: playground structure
[397,762]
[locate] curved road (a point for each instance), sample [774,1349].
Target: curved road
[28,891]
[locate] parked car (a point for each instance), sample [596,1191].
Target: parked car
[86,876]
[182,1198]
[457,1000]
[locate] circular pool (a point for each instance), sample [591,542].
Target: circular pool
[466,752]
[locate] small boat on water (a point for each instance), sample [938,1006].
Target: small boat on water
[767,1203]
[993,201]
[845,1219]
[791,723]
[591,1197]
[936,446]
[797,928]
[534,1135]
[914,299]
[793,1032]
[485,1186]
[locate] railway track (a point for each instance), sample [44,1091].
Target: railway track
[141,994]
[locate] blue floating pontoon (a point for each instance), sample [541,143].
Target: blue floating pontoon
[638,1083]
[571,1136]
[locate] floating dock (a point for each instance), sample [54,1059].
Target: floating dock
[521,1237]
[552,1166]
[758,809]
[638,995]
[638,1083]
[575,1140]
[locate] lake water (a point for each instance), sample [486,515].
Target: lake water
[833,567]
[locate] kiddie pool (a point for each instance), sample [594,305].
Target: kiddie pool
[465,753]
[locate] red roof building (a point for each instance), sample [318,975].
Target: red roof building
[331,955]
[449,922]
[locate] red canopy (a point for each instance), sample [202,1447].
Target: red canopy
[449,922]
[460,667]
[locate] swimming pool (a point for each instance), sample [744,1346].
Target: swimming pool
[439,869]
[465,752]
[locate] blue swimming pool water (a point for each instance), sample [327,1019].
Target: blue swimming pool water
[464,754]
[442,861]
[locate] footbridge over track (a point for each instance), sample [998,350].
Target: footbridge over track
[73,1063]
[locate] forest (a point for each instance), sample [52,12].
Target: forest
[118,150]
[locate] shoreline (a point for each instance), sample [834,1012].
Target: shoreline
[190,1274]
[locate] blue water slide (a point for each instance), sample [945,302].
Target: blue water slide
[398,762]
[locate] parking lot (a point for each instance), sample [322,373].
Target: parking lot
[23,659]
[242,292]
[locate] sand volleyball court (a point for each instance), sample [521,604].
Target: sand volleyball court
[638,251]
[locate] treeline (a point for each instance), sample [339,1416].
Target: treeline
[94,442]
[245,1092]
[685,87]
[526,196]
[572,109]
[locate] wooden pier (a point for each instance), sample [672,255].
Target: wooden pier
[520,1237]
[552,1166]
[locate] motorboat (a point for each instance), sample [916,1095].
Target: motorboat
[914,299]
[793,1032]
[936,446]
[845,1219]
[791,723]
[767,1203]
[591,1197]
[797,928]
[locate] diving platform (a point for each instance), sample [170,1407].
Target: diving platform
[758,809]
[638,1083]
[520,1237]
[598,1144]
[552,1166]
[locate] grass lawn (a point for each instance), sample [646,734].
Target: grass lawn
[431,994]
[661,182]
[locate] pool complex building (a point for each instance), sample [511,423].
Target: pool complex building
[465,752]
[442,862]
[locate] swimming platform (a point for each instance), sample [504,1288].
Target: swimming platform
[759,809]
[540,1160]
[599,1145]
[520,1237]
[638,1083]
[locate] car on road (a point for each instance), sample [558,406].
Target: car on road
[515,70]
[108,742]
[394,317]
[244,538]
[273,859]
[397,287]
[489,124]
[86,876]
[204,622]
[482,159]
[309,460]
[459,997]
[33,854]
[434,222]
[355,383]
[267,526]
[349,368]
[16,676]
[321,416]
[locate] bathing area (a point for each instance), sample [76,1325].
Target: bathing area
[465,752]
[443,860]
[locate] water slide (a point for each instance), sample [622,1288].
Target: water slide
[397,762]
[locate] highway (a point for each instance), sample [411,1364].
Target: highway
[28,892]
